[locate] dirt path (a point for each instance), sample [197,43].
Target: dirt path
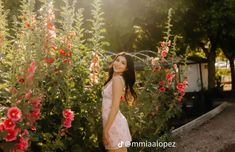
[216,135]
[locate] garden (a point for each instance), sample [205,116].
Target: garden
[54,57]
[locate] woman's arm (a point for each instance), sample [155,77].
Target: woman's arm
[117,90]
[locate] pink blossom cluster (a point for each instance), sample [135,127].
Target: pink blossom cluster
[68,116]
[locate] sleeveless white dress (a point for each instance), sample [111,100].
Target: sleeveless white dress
[119,133]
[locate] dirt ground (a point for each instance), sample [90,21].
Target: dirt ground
[216,135]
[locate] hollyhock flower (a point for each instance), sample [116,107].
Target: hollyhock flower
[164,53]
[180,87]
[70,53]
[23,144]
[67,60]
[62,52]
[182,93]
[11,134]
[162,89]
[35,113]
[9,124]
[25,133]
[49,60]
[161,83]
[32,67]
[67,123]
[68,114]
[21,80]
[14,113]
[185,82]
[170,76]
[2,126]
[27,95]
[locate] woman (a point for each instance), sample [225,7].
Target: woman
[119,86]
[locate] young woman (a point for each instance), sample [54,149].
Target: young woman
[119,86]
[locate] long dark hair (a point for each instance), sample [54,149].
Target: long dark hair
[128,75]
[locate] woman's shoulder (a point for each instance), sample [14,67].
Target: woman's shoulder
[119,79]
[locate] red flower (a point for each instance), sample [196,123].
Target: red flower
[23,144]
[14,113]
[49,60]
[68,114]
[11,134]
[21,80]
[162,89]
[9,124]
[32,67]
[170,76]
[67,123]
[62,52]
[180,87]
[67,60]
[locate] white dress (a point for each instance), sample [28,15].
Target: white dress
[119,133]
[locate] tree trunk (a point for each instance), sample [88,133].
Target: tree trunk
[211,68]
[231,61]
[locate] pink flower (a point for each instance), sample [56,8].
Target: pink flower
[170,76]
[9,124]
[11,134]
[32,67]
[23,144]
[27,95]
[161,83]
[162,89]
[67,123]
[14,113]
[2,126]
[180,87]
[25,133]
[68,114]
[36,113]
[164,53]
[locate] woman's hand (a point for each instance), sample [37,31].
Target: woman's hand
[105,137]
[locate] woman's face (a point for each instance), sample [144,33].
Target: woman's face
[120,64]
